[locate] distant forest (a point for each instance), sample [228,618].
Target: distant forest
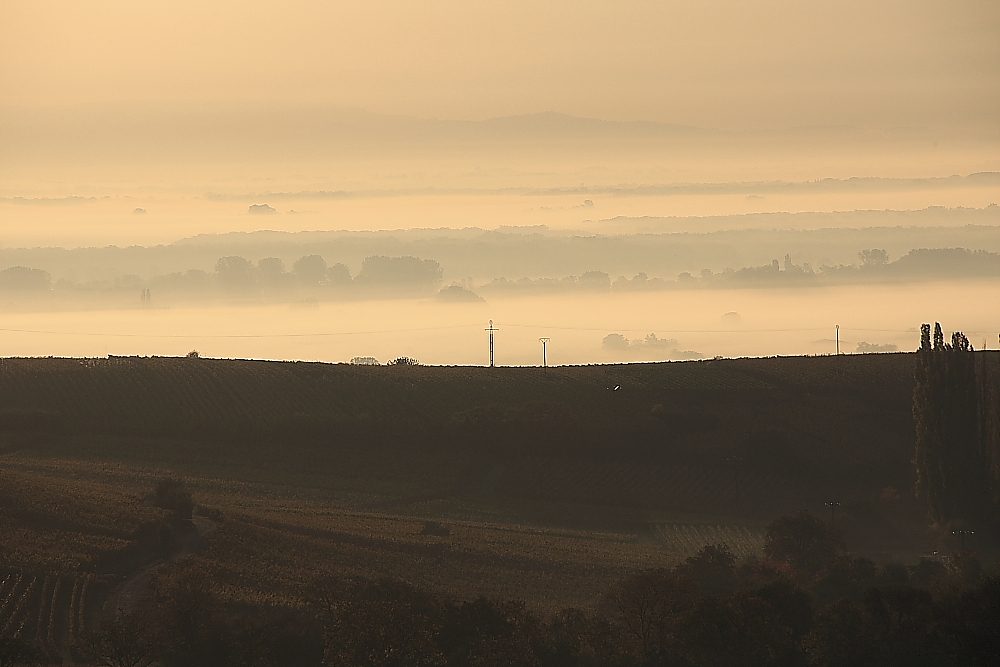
[235,276]
[471,261]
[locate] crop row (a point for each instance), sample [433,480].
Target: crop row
[687,539]
[47,610]
[72,520]
[21,600]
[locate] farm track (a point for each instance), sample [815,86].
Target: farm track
[134,594]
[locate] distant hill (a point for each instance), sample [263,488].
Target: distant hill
[814,426]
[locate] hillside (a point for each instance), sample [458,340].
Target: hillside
[550,483]
[822,424]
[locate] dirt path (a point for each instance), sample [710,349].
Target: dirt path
[129,596]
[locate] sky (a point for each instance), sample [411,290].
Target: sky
[716,63]
[142,123]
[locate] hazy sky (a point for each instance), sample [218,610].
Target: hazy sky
[720,63]
[191,112]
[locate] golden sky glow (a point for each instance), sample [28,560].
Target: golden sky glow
[717,63]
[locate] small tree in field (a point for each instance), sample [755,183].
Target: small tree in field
[171,495]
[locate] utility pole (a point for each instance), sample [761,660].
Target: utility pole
[833,504]
[838,339]
[491,329]
[544,344]
[961,534]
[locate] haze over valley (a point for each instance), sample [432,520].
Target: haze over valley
[564,334]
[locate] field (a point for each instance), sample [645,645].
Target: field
[826,416]
[523,483]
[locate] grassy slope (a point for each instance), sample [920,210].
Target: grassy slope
[553,481]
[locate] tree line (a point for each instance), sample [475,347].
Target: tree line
[235,274]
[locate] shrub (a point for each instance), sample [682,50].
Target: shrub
[171,495]
[403,361]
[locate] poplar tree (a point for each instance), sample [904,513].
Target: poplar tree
[952,411]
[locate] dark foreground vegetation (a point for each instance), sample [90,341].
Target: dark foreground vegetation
[209,512]
[804,603]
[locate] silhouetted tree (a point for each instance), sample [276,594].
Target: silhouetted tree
[382,623]
[574,638]
[310,270]
[927,572]
[803,540]
[267,636]
[170,494]
[952,457]
[338,275]
[762,628]
[892,626]
[271,271]
[23,278]
[988,394]
[965,566]
[234,273]
[486,632]
[187,610]
[402,361]
[409,273]
[712,570]
[651,607]
[974,616]
[874,258]
[845,577]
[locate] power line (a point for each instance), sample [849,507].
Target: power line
[284,335]
[788,330]
[452,327]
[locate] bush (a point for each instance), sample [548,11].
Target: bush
[403,361]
